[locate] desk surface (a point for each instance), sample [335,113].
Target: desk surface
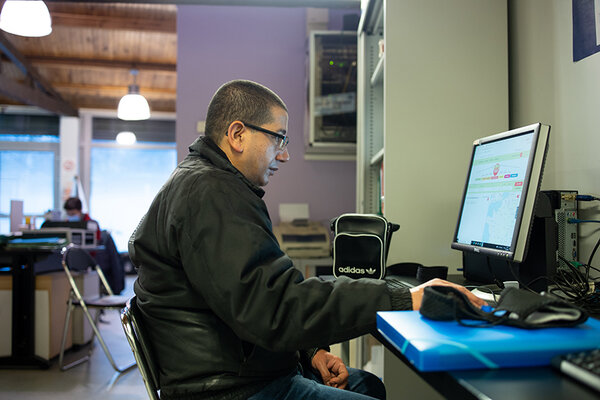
[507,383]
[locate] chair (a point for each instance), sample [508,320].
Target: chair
[78,259]
[142,351]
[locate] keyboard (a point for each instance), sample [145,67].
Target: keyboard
[398,283]
[582,366]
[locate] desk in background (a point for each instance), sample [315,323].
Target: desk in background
[21,264]
[34,305]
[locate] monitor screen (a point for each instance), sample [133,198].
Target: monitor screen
[500,194]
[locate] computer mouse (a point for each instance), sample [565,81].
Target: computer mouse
[485,295]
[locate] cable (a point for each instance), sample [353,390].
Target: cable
[575,285]
[497,281]
[581,221]
[586,197]
[577,280]
[521,283]
[572,284]
[593,253]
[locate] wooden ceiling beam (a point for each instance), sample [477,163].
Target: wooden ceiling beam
[105,88]
[41,93]
[113,22]
[99,63]
[35,97]
[23,64]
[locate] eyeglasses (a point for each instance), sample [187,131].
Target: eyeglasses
[282,140]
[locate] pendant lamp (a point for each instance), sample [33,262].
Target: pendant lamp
[133,106]
[26,18]
[126,138]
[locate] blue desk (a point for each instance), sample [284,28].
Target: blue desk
[528,383]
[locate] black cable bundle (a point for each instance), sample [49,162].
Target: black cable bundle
[576,286]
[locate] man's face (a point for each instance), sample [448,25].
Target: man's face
[264,153]
[72,213]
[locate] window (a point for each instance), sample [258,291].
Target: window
[29,148]
[124,180]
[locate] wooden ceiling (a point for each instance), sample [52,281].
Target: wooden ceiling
[86,61]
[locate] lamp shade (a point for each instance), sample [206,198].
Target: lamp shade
[133,106]
[126,138]
[26,18]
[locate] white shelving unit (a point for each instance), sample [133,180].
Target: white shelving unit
[369,116]
[441,83]
[377,77]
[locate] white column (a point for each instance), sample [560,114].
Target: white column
[69,155]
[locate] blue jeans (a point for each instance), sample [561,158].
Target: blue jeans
[301,385]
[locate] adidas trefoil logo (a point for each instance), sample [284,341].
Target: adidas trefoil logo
[355,270]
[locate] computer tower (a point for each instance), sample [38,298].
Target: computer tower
[565,207]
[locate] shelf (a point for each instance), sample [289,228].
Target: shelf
[372,18]
[377,158]
[377,76]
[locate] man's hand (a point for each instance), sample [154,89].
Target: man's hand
[417,292]
[332,369]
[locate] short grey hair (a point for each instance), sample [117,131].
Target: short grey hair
[242,100]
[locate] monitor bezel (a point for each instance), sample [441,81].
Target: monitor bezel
[531,187]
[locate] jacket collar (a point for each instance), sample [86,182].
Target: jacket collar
[204,147]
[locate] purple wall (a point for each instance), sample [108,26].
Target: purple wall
[336,17]
[267,45]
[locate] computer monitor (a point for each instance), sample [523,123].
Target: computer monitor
[500,195]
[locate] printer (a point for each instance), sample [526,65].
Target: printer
[303,239]
[80,233]
[81,237]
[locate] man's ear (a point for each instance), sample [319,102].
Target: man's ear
[235,136]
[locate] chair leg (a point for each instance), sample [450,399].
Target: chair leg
[61,355]
[103,344]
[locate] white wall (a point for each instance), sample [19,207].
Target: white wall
[547,86]
[446,84]
[69,156]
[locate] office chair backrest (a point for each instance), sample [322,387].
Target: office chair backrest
[137,336]
[77,259]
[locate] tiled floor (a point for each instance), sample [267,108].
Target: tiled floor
[90,380]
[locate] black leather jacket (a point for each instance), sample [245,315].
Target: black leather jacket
[226,310]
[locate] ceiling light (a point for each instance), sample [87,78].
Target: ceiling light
[133,106]
[26,18]
[126,138]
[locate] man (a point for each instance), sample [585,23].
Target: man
[109,259]
[73,209]
[228,315]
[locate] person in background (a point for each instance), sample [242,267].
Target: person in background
[73,208]
[108,258]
